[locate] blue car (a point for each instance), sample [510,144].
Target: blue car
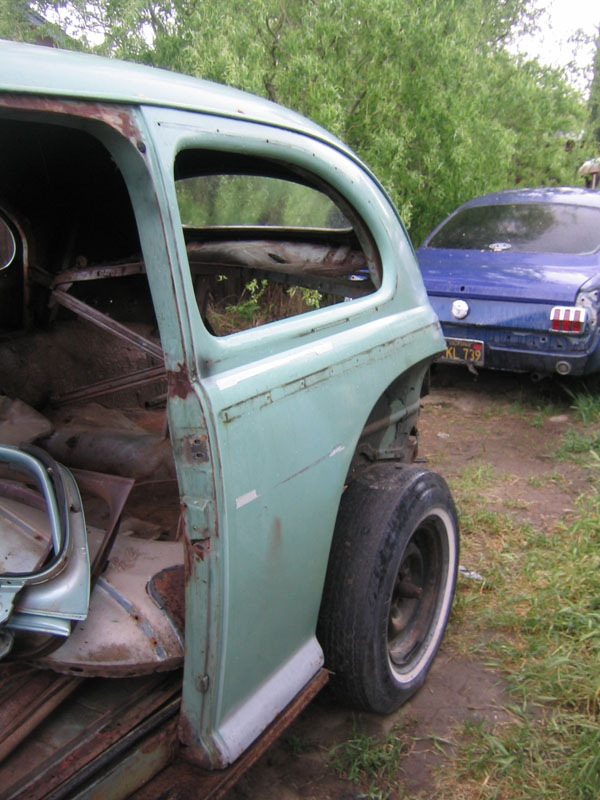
[515,280]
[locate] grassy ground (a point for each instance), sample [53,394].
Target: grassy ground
[540,612]
[535,618]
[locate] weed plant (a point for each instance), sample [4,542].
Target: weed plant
[586,404]
[366,760]
[259,303]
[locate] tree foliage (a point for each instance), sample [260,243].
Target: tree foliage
[594,101]
[425,92]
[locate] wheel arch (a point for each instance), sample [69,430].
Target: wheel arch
[390,430]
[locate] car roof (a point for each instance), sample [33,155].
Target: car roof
[556,194]
[49,71]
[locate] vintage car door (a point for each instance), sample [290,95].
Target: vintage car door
[265,421]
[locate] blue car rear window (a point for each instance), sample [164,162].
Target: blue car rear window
[522,228]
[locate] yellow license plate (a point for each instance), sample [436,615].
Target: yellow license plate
[463,351]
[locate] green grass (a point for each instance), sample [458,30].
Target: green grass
[535,481]
[540,610]
[577,446]
[535,620]
[477,476]
[558,760]
[370,762]
[528,406]
[586,404]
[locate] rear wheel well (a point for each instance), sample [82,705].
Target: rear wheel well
[390,432]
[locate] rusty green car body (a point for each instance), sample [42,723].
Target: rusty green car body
[197,467]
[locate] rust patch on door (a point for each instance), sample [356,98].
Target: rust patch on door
[179,382]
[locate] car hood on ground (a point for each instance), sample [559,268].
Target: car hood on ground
[506,276]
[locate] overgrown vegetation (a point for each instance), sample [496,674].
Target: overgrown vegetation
[540,610]
[258,303]
[427,93]
[541,607]
[583,445]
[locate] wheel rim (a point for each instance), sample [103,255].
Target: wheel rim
[417,595]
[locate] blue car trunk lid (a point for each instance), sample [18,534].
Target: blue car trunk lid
[504,276]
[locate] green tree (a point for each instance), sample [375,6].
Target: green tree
[426,92]
[594,101]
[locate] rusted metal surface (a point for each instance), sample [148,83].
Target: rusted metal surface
[291,257]
[117,116]
[114,490]
[27,697]
[195,449]
[110,385]
[199,549]
[90,437]
[157,503]
[106,323]
[101,721]
[60,285]
[139,765]
[184,780]
[20,422]
[179,382]
[167,588]
[339,270]
[125,633]
[99,272]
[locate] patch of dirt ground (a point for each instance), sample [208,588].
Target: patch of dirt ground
[509,429]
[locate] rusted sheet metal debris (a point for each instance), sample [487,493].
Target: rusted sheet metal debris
[126,633]
[138,766]
[82,439]
[290,257]
[114,490]
[106,717]
[340,270]
[167,588]
[99,272]
[19,422]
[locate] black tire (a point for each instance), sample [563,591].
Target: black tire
[389,586]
